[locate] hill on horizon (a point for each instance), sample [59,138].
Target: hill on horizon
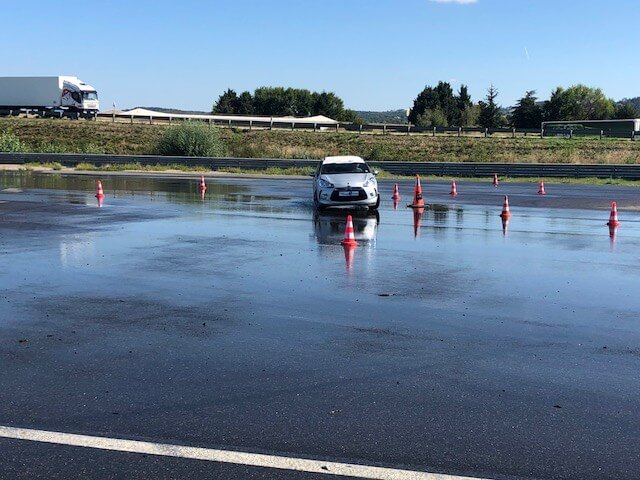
[389,116]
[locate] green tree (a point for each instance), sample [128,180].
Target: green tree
[328,104]
[579,102]
[463,104]
[556,107]
[626,110]
[432,118]
[490,116]
[244,104]
[435,98]
[634,102]
[303,102]
[226,103]
[271,101]
[527,112]
[349,116]
[279,101]
[434,103]
[469,116]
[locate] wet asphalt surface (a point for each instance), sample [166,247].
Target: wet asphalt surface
[239,322]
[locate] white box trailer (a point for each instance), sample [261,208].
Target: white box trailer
[47,93]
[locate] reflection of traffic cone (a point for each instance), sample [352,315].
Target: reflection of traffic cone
[541,188]
[99,191]
[612,235]
[454,189]
[505,208]
[505,225]
[100,201]
[349,251]
[417,220]
[395,205]
[349,234]
[203,185]
[396,193]
[495,180]
[418,201]
[613,217]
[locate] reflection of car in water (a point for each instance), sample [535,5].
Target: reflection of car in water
[345,181]
[329,226]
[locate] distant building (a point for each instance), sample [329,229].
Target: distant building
[610,128]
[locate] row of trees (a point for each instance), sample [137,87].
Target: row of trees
[439,106]
[575,103]
[280,101]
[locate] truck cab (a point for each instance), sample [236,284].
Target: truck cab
[79,96]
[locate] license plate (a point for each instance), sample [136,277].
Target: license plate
[348,194]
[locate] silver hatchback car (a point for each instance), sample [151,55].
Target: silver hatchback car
[345,181]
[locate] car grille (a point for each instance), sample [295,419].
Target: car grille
[335,196]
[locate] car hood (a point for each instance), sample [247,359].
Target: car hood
[341,180]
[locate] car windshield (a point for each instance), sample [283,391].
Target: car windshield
[90,95]
[334,168]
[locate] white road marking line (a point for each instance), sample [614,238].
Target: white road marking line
[223,456]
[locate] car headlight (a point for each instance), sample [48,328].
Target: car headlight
[371,182]
[325,184]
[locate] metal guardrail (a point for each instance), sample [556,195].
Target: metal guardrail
[445,169]
[304,124]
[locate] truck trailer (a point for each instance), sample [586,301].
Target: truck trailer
[47,94]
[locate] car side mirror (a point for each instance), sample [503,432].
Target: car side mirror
[375,172]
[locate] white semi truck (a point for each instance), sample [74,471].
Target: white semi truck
[48,94]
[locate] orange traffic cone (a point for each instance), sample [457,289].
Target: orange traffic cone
[505,208]
[349,234]
[454,189]
[613,217]
[99,191]
[396,193]
[495,180]
[418,201]
[203,185]
[541,188]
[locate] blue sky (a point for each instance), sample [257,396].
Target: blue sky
[376,55]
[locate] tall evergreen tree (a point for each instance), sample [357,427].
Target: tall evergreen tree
[490,116]
[244,104]
[527,113]
[226,102]
[464,105]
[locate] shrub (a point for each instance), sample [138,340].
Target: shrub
[9,143]
[190,140]
[50,148]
